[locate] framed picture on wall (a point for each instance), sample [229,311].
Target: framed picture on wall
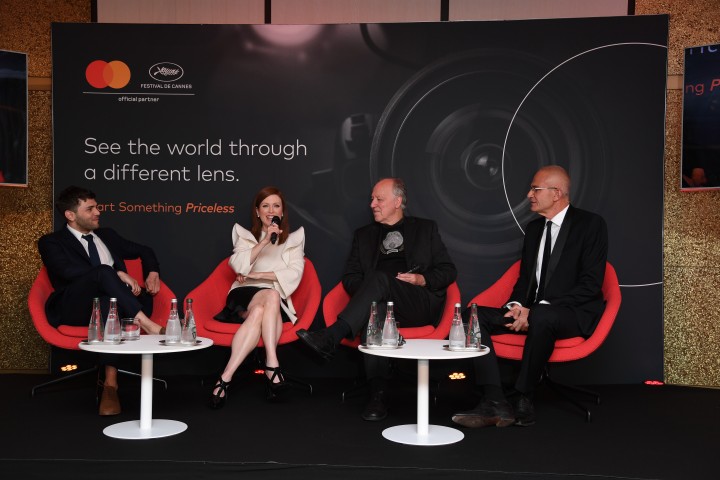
[700,163]
[13,118]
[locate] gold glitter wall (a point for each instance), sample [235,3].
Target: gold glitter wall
[692,238]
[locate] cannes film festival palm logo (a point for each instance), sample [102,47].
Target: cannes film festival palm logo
[101,74]
[166,72]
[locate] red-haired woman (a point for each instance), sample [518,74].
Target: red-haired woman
[269,262]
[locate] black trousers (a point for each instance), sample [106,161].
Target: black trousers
[73,305]
[547,323]
[414,306]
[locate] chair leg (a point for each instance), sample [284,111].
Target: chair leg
[297,382]
[127,372]
[360,385]
[563,389]
[62,379]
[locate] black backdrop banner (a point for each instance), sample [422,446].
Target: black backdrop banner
[175,127]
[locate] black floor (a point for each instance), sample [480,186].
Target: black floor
[638,432]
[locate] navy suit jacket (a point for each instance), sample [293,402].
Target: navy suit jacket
[576,269]
[66,258]
[423,248]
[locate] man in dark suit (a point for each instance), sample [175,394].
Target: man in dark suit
[557,295]
[84,261]
[397,258]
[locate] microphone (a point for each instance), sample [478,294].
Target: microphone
[273,237]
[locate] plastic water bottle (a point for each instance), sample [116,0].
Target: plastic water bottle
[95,328]
[374,332]
[189,331]
[472,336]
[390,332]
[172,329]
[112,324]
[457,332]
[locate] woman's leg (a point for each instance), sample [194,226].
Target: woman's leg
[245,340]
[271,328]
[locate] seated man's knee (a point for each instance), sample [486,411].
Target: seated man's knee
[542,319]
[376,278]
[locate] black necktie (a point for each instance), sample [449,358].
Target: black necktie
[92,250]
[545,261]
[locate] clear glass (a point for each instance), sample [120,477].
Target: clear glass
[374,332]
[457,332]
[112,324]
[189,330]
[95,327]
[172,329]
[129,329]
[390,334]
[472,336]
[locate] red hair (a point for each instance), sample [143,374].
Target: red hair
[256,229]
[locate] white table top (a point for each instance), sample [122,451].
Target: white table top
[423,349]
[145,344]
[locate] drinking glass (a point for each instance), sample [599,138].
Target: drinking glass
[129,329]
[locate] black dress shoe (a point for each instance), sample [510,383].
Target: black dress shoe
[524,412]
[488,413]
[320,342]
[376,409]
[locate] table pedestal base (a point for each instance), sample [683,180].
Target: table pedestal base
[158,428]
[437,435]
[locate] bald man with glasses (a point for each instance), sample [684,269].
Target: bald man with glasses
[557,295]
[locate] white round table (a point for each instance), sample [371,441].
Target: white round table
[423,351]
[147,346]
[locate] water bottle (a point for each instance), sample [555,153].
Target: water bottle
[472,337]
[189,331]
[457,332]
[374,332]
[172,329]
[112,324]
[95,328]
[390,331]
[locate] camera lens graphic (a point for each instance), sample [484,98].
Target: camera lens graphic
[454,133]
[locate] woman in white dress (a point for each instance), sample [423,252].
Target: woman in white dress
[269,263]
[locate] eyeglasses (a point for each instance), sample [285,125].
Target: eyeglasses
[537,189]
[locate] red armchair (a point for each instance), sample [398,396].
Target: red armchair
[209,298]
[510,346]
[337,298]
[68,337]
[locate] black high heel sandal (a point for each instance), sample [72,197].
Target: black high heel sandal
[273,388]
[217,400]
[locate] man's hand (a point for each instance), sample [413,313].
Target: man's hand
[519,317]
[412,278]
[152,283]
[130,282]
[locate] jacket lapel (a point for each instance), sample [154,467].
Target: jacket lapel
[74,244]
[559,244]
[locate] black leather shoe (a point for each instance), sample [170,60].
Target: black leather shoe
[376,409]
[320,342]
[524,412]
[488,413]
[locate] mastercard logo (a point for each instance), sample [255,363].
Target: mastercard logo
[101,74]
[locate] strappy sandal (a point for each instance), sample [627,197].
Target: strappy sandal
[217,399]
[273,388]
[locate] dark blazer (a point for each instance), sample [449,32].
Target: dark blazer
[66,259]
[576,270]
[423,247]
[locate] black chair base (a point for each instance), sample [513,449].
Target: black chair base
[85,372]
[564,391]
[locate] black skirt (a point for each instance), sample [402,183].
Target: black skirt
[237,302]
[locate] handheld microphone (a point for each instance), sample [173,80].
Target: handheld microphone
[273,237]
